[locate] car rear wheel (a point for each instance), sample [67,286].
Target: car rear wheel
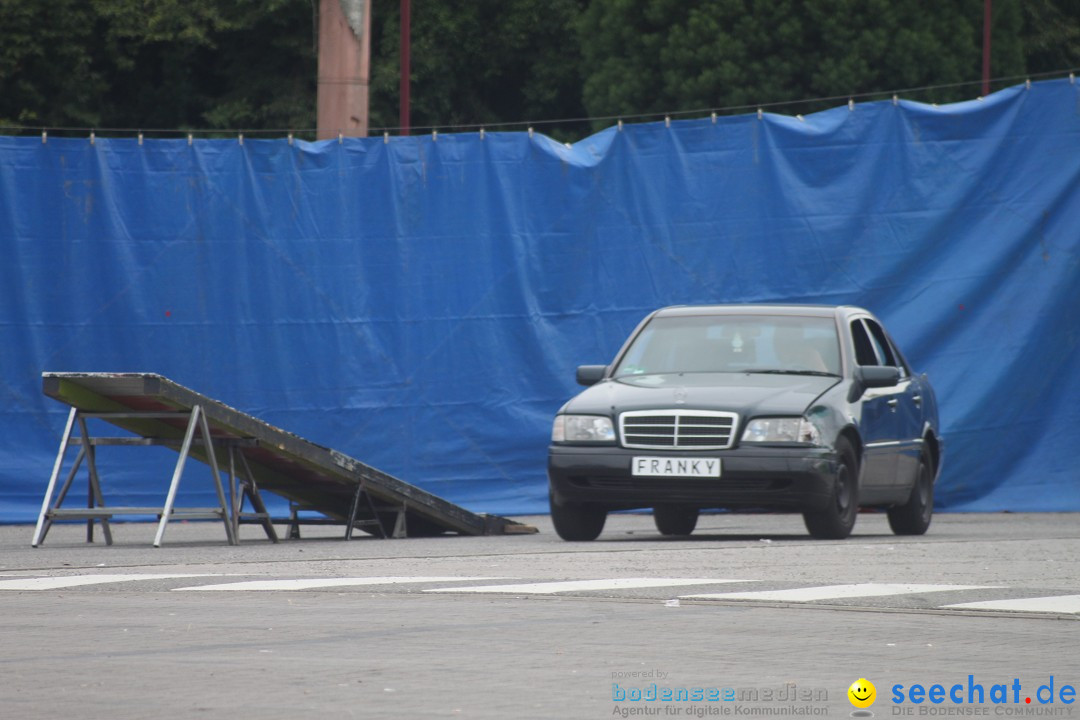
[576,521]
[675,519]
[837,519]
[913,517]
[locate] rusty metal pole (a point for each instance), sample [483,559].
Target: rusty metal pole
[344,68]
[406,53]
[987,13]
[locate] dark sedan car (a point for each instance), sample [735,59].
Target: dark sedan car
[804,409]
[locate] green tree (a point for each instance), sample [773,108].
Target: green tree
[652,56]
[157,63]
[251,64]
[48,73]
[1051,36]
[478,62]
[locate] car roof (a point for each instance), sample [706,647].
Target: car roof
[778,309]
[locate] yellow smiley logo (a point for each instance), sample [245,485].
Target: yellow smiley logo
[862,693]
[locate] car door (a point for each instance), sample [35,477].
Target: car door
[878,422]
[909,410]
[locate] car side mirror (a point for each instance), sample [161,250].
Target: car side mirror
[590,374]
[872,376]
[878,376]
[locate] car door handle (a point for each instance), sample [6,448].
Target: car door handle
[917,400]
[892,403]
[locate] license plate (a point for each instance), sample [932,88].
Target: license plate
[675,467]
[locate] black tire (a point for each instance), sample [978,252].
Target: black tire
[913,517]
[579,522]
[838,518]
[675,519]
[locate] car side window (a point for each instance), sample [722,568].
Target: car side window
[864,347]
[882,340]
[881,344]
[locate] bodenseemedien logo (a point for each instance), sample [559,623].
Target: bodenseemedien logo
[666,698]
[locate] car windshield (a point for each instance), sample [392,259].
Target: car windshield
[734,343]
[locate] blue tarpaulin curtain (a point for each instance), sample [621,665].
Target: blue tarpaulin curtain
[421,304]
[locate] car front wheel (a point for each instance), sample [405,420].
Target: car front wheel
[837,519]
[576,521]
[913,517]
[675,519]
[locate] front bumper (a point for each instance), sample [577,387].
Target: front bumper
[793,479]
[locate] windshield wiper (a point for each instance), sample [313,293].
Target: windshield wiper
[777,371]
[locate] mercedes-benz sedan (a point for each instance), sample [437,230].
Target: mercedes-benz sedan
[805,409]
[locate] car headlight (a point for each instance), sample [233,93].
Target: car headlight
[781,430]
[582,428]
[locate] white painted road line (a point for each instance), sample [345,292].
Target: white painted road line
[834,592]
[1060,604]
[309,584]
[549,588]
[1053,604]
[56,583]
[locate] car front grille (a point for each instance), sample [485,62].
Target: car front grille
[678,429]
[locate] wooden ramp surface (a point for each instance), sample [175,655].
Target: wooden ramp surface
[314,477]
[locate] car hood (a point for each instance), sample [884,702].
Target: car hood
[746,394]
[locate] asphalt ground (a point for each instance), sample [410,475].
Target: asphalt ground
[530,626]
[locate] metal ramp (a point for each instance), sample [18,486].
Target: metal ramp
[258,457]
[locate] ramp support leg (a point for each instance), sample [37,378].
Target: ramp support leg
[294,522]
[255,497]
[400,528]
[249,489]
[212,457]
[94,498]
[185,450]
[63,491]
[361,489]
[174,485]
[236,502]
[40,529]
